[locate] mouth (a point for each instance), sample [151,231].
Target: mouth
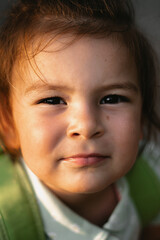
[84,160]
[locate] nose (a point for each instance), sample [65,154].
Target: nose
[85,123]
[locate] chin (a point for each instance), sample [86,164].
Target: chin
[89,188]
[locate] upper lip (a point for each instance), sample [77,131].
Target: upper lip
[84,155]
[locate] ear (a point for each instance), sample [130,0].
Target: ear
[11,139]
[8,131]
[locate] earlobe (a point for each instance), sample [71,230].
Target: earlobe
[11,138]
[8,132]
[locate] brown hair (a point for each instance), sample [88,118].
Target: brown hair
[31,18]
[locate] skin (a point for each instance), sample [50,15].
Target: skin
[82,99]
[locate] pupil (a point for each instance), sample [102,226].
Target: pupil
[112,99]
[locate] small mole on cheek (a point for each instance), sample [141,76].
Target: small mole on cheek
[107,117]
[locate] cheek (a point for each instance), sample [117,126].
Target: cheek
[39,142]
[126,131]
[39,134]
[125,135]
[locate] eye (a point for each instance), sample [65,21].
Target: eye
[52,101]
[113,99]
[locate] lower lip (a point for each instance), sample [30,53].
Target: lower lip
[84,162]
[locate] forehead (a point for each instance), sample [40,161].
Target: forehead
[54,58]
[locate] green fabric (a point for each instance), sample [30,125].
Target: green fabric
[144,190]
[19,214]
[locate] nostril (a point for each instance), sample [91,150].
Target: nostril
[85,131]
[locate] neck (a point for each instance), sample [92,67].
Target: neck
[96,208]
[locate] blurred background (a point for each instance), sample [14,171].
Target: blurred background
[148,17]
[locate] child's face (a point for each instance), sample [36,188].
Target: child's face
[79,125]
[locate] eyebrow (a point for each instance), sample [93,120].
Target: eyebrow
[47,86]
[123,85]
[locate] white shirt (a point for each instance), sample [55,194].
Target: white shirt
[60,222]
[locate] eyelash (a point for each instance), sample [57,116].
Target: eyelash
[52,101]
[109,99]
[114,99]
